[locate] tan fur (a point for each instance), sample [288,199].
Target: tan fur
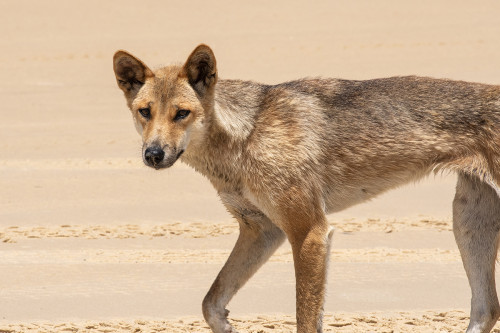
[283,156]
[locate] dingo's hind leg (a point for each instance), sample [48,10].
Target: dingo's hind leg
[476,224]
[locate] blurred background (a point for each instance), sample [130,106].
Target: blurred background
[69,151]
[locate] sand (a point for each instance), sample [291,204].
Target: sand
[93,241]
[423,321]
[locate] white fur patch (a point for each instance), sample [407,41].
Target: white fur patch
[476,328]
[497,103]
[138,126]
[248,195]
[311,145]
[493,185]
[235,122]
[194,135]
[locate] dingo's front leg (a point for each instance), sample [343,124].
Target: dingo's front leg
[310,238]
[258,240]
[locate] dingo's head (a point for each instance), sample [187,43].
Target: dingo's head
[170,105]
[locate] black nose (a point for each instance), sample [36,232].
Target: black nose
[154,155]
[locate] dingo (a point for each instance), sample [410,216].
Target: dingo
[282,156]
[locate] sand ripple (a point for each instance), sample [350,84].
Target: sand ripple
[99,256]
[381,322]
[196,229]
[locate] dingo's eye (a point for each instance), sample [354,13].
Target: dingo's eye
[181,114]
[145,112]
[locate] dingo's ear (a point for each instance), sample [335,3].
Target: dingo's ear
[200,69]
[130,72]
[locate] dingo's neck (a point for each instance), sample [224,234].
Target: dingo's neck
[219,155]
[236,105]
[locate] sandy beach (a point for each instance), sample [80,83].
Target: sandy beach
[91,240]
